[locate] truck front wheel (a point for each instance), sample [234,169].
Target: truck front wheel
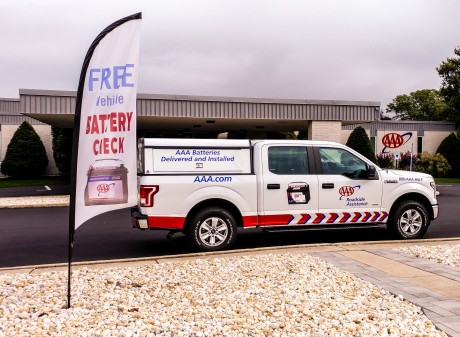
[409,220]
[212,229]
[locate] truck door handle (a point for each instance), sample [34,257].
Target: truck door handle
[328,185]
[273,186]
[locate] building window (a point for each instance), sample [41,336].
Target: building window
[419,145]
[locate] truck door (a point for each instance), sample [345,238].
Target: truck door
[288,191]
[346,195]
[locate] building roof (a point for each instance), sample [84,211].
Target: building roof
[206,113]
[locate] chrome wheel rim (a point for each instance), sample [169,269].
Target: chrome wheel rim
[411,222]
[213,232]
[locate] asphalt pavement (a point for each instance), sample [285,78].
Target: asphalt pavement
[34,236]
[30,191]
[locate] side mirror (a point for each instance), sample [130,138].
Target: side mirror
[371,172]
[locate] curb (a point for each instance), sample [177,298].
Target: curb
[276,249]
[35,202]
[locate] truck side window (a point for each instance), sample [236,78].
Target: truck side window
[339,161]
[288,160]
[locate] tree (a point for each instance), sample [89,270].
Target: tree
[359,141]
[449,71]
[420,105]
[450,148]
[62,149]
[433,163]
[25,155]
[384,116]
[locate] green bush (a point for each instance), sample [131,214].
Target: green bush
[25,155]
[359,141]
[434,164]
[386,160]
[404,161]
[450,149]
[62,149]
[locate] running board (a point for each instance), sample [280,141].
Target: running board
[317,228]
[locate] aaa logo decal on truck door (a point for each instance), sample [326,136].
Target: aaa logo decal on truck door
[346,191]
[395,140]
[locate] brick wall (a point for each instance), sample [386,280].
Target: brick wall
[325,130]
[345,135]
[432,140]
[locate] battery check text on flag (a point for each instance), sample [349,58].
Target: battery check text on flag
[114,77]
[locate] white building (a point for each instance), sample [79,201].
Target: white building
[206,117]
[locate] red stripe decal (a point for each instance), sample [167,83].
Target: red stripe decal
[319,217]
[366,217]
[345,217]
[375,217]
[250,220]
[173,222]
[304,219]
[333,217]
[273,220]
[356,217]
[384,216]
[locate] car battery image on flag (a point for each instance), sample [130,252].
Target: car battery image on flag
[107,183]
[298,193]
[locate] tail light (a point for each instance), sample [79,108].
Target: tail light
[146,194]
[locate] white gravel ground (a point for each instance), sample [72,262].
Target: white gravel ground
[446,254]
[262,295]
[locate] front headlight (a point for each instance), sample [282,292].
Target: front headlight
[433,186]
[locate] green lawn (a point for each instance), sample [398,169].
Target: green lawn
[447,180]
[49,181]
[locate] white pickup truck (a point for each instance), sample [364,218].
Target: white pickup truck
[207,188]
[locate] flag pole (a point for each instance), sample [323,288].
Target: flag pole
[76,138]
[411,155]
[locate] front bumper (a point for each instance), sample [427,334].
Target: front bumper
[435,211]
[139,220]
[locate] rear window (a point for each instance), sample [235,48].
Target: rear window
[288,160]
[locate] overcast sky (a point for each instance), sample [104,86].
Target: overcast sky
[369,50]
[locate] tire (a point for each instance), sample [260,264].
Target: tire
[409,220]
[212,229]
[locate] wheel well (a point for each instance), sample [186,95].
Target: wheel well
[215,203]
[417,197]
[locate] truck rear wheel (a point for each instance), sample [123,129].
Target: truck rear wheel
[212,229]
[409,220]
